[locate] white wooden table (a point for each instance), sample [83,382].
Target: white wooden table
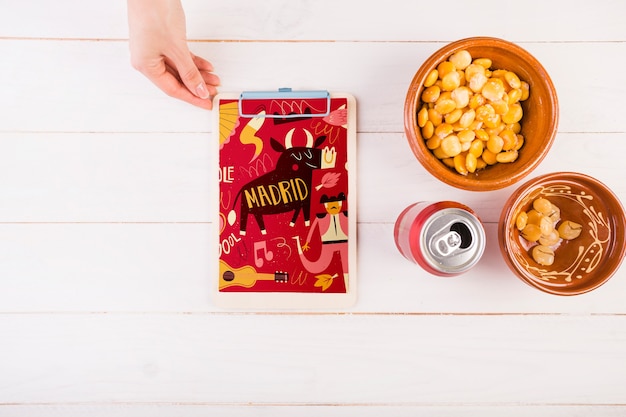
[105,223]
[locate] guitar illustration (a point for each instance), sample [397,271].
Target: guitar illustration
[247,276]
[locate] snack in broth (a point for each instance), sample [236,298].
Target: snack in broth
[470,116]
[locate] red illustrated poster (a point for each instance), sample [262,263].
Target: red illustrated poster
[287,199]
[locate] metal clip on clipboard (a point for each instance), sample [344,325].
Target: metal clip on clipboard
[284,94]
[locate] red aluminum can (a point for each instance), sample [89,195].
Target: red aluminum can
[445,238]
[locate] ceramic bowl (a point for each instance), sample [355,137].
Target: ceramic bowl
[538,125]
[581,264]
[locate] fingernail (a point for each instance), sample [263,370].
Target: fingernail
[201,91]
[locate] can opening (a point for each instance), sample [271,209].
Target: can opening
[464,232]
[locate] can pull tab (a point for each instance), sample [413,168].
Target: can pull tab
[448,243]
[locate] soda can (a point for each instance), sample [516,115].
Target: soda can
[445,238]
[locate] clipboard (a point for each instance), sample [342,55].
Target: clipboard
[285,200]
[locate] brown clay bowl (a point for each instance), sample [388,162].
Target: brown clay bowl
[581,264]
[538,125]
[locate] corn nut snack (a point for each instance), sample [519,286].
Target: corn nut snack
[538,225]
[470,115]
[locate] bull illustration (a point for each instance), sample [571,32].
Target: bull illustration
[286,188]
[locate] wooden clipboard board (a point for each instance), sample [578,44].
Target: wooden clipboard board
[285,200]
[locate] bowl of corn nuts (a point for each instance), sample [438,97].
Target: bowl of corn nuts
[563,233]
[481,113]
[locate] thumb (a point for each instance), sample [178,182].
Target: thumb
[190,76]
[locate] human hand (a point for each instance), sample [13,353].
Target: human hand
[158,48]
